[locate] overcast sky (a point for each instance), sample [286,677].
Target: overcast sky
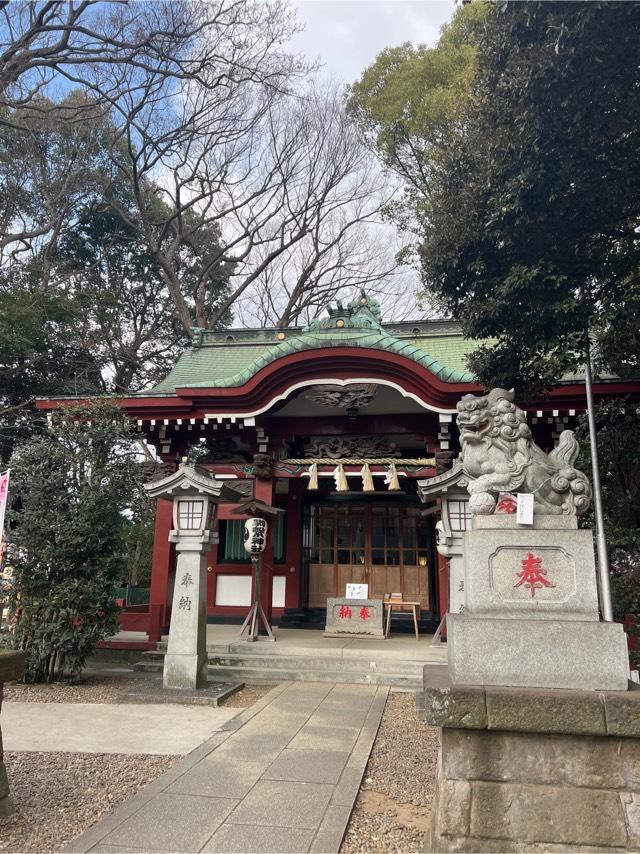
[347,35]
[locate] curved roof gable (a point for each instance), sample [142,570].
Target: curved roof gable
[219,360]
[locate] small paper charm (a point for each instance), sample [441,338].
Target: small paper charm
[313,476]
[367,479]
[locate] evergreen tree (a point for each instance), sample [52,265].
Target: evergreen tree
[73,486]
[529,236]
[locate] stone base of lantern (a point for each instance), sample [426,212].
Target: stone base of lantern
[185,672]
[529,769]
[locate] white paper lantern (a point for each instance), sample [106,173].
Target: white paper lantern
[255,535]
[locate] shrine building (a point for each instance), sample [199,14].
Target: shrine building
[334,424]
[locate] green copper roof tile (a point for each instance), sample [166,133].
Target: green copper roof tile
[231,358]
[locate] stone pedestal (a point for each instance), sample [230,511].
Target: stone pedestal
[355,618]
[185,662]
[534,769]
[540,653]
[11,668]
[531,610]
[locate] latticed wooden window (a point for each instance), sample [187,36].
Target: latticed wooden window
[387,535]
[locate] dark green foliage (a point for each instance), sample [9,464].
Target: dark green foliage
[618,430]
[408,103]
[73,486]
[40,352]
[139,544]
[124,313]
[528,235]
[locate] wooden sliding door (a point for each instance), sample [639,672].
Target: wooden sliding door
[382,545]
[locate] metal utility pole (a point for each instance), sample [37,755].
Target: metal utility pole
[601,542]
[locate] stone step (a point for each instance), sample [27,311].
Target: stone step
[259,675]
[263,664]
[152,662]
[432,651]
[318,662]
[148,666]
[265,675]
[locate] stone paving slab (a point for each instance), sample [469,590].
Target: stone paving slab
[292,794]
[327,766]
[173,823]
[219,777]
[282,803]
[325,738]
[110,728]
[247,839]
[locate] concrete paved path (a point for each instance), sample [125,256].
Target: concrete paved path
[283,777]
[106,728]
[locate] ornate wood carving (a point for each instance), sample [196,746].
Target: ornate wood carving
[351,397]
[263,466]
[336,447]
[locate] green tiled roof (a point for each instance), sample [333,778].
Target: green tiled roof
[230,358]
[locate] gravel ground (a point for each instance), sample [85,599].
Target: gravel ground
[249,695]
[393,807]
[105,687]
[98,687]
[59,795]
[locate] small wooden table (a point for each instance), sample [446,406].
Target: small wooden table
[401,603]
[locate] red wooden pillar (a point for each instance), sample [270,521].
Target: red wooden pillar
[160,568]
[443,589]
[264,491]
[293,545]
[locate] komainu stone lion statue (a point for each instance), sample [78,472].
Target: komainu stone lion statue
[499,455]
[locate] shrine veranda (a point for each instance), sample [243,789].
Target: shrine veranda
[336,424]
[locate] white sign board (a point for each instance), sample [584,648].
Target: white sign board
[255,535]
[357,591]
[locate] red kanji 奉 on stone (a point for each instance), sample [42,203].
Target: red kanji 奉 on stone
[533,574]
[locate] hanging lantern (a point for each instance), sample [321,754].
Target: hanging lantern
[367,480]
[255,535]
[391,478]
[312,471]
[340,479]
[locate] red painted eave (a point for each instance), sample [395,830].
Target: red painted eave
[340,363]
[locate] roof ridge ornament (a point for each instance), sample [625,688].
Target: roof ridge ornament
[363,312]
[197,337]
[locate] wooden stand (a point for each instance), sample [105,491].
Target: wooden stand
[256,613]
[399,603]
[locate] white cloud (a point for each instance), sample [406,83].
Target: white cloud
[347,35]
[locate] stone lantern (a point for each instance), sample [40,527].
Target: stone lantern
[451,488]
[195,494]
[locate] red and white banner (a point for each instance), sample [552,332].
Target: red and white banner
[4,492]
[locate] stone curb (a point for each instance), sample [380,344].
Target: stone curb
[329,835]
[548,710]
[95,834]
[214,694]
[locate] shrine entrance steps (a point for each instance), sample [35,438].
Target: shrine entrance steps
[303,655]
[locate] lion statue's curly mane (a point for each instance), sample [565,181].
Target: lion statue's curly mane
[499,455]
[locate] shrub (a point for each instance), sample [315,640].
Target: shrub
[73,489]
